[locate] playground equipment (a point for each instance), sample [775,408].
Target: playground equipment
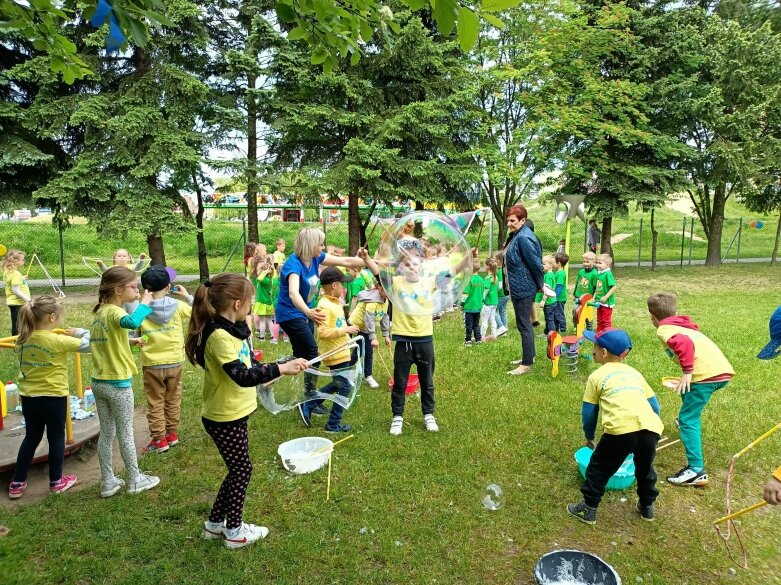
[567,348]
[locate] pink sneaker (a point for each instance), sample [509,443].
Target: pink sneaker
[66,482]
[16,488]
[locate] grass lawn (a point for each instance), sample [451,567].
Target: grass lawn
[408,509]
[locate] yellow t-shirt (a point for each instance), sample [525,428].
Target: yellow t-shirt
[165,343]
[709,362]
[331,334]
[279,258]
[15,278]
[111,357]
[43,361]
[375,309]
[777,474]
[622,395]
[413,297]
[223,399]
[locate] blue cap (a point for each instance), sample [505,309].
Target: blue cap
[616,341]
[771,349]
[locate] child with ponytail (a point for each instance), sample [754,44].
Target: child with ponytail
[17,293]
[43,386]
[218,341]
[113,367]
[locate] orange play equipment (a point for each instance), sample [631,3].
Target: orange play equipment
[568,347]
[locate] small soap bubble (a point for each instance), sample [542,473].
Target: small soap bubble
[493,498]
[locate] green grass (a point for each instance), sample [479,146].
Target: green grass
[418,495]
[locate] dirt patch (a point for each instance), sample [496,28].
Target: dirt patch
[618,238]
[694,238]
[84,464]
[681,205]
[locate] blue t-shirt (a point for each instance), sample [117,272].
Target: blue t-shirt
[307,286]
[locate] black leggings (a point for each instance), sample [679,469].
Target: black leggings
[14,316]
[42,412]
[232,442]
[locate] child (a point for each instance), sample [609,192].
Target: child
[274,299]
[490,301]
[279,254]
[262,276]
[332,332]
[249,253]
[501,307]
[704,371]
[123,258]
[560,260]
[17,293]
[585,283]
[218,341]
[113,367]
[43,386]
[353,288]
[605,292]
[631,423]
[562,249]
[548,301]
[162,357]
[472,304]
[371,306]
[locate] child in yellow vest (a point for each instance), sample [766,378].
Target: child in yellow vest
[43,386]
[17,293]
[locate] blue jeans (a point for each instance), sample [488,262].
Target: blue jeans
[550,317]
[523,321]
[302,337]
[501,312]
[472,325]
[561,319]
[341,386]
[368,354]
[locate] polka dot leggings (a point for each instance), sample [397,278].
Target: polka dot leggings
[232,442]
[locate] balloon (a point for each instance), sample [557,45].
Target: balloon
[760,225]
[753,223]
[425,263]
[171,274]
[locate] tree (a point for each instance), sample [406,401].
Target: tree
[767,200]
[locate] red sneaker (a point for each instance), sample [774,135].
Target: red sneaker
[66,482]
[172,439]
[157,446]
[16,488]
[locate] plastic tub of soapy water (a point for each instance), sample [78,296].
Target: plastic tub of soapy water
[412,384]
[574,567]
[305,454]
[622,479]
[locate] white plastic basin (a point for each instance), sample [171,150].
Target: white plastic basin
[305,454]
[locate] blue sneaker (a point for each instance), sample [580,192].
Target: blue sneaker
[338,428]
[303,411]
[319,410]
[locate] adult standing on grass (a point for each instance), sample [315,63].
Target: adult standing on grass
[298,282]
[523,279]
[593,236]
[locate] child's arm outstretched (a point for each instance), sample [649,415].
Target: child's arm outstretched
[140,264]
[82,335]
[259,373]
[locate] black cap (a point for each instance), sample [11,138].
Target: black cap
[155,278]
[331,274]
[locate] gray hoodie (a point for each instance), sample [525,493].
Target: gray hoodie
[372,295]
[163,310]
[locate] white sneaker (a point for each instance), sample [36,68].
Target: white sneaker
[396,424]
[109,488]
[372,382]
[213,531]
[244,535]
[431,423]
[143,482]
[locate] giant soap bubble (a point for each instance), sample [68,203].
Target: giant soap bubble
[425,263]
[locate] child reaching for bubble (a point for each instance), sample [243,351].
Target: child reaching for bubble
[218,341]
[17,293]
[43,386]
[123,258]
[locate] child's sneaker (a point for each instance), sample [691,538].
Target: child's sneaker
[65,483]
[319,410]
[583,512]
[396,424]
[372,382]
[338,428]
[646,512]
[156,446]
[687,477]
[143,482]
[431,423]
[303,412]
[467,343]
[111,487]
[172,439]
[212,531]
[16,488]
[244,535]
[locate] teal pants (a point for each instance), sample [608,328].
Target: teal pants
[690,419]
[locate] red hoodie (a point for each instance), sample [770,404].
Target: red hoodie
[696,354]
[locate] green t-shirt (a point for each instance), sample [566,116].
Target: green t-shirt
[500,282]
[353,288]
[492,294]
[472,297]
[586,282]
[538,297]
[550,280]
[561,279]
[605,281]
[263,288]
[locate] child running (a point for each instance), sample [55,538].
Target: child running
[43,386]
[585,283]
[371,306]
[113,367]
[17,293]
[704,371]
[218,341]
[631,423]
[605,292]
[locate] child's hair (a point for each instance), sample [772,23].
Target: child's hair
[548,258]
[308,242]
[562,241]
[490,264]
[280,241]
[260,250]
[10,259]
[249,249]
[561,258]
[662,305]
[590,255]
[212,297]
[113,278]
[259,265]
[606,258]
[32,313]
[117,251]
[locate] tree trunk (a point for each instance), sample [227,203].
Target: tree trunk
[156,252]
[203,264]
[654,239]
[716,226]
[252,159]
[353,224]
[606,246]
[363,240]
[775,245]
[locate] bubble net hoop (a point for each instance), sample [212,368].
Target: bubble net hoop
[53,284]
[90,262]
[725,536]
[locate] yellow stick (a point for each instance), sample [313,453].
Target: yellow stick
[330,447]
[328,484]
[68,424]
[756,442]
[77,365]
[740,512]
[667,445]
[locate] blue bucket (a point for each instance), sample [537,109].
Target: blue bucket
[574,566]
[622,479]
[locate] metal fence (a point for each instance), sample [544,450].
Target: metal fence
[70,254]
